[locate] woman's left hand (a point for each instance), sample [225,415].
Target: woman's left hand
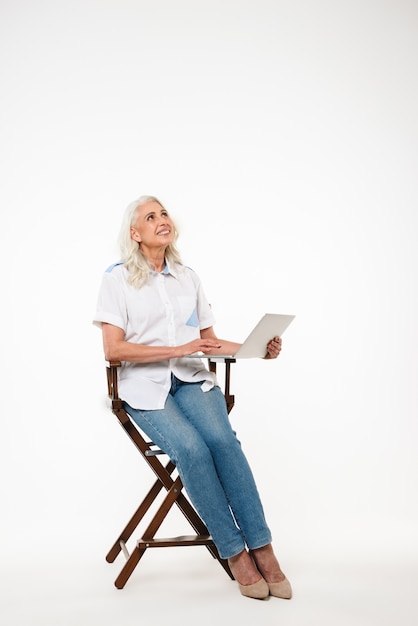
[274,347]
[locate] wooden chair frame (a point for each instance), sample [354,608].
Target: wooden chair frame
[165,480]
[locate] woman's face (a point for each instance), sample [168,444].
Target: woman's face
[154,228]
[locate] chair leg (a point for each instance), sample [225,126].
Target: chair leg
[137,516]
[138,552]
[129,567]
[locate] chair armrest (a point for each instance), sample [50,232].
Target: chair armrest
[212,361]
[112,379]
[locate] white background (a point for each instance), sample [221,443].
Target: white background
[282,136]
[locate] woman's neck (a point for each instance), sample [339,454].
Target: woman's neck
[155,257]
[157,262]
[158,267]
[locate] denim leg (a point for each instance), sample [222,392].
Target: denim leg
[194,430]
[207,412]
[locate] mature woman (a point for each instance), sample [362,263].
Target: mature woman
[153,313]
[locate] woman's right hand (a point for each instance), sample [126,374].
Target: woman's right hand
[207,346]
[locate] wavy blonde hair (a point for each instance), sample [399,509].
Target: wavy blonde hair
[131,254]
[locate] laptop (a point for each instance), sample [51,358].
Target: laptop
[271,325]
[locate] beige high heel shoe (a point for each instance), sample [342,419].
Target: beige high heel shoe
[259,590]
[283,589]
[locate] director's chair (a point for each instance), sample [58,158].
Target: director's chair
[166,479]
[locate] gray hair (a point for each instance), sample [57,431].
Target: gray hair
[131,254]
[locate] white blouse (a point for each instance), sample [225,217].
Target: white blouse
[169,309]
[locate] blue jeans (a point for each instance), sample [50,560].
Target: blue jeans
[194,431]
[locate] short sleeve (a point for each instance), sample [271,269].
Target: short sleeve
[111,303]
[204,312]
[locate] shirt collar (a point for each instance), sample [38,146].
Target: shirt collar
[168,270]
